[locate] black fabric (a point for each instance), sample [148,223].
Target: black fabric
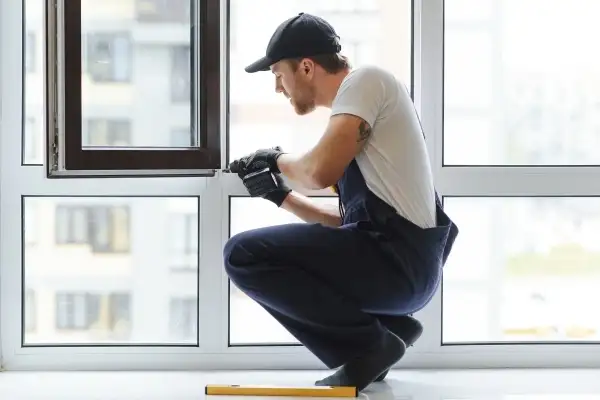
[300,36]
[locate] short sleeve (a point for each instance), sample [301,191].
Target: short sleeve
[362,93]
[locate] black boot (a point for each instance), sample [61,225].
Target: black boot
[406,328]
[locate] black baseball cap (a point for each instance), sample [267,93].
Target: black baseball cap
[303,35]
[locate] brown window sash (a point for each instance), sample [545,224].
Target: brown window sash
[207,156]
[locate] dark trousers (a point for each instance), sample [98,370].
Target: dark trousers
[333,289]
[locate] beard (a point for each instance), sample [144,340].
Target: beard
[304,101]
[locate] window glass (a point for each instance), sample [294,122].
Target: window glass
[138,72]
[535,267]
[261,117]
[531,87]
[33,83]
[104,273]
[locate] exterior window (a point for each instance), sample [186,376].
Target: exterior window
[104,229]
[107,132]
[109,57]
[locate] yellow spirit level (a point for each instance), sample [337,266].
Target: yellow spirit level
[265,390]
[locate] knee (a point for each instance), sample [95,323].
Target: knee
[231,250]
[246,251]
[238,254]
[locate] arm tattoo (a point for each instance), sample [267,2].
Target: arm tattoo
[364,131]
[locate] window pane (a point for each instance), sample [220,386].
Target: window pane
[33,79]
[468,10]
[249,323]
[534,274]
[533,91]
[101,271]
[107,132]
[183,240]
[183,318]
[30,221]
[181,138]
[30,311]
[136,83]
[181,80]
[163,10]
[260,117]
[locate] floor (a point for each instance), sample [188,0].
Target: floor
[401,385]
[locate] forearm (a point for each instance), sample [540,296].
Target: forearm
[308,211]
[300,169]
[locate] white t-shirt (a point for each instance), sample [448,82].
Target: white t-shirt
[394,161]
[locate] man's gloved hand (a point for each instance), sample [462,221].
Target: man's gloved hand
[260,159]
[279,195]
[267,185]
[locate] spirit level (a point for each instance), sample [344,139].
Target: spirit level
[265,390]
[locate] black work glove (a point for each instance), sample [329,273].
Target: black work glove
[278,195]
[264,188]
[260,159]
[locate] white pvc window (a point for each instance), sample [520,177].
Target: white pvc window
[127,273]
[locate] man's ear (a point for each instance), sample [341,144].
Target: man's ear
[308,66]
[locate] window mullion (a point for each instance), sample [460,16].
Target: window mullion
[431,74]
[428,42]
[212,311]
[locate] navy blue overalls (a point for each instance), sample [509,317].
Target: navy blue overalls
[334,288]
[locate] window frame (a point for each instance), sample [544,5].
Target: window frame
[83,201]
[202,160]
[18,181]
[474,181]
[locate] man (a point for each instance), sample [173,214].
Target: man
[345,282]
